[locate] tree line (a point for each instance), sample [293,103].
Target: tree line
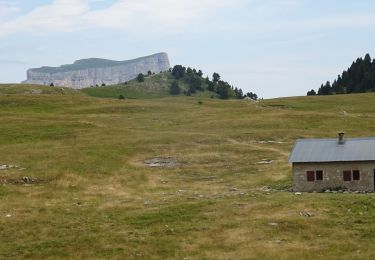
[358,78]
[196,82]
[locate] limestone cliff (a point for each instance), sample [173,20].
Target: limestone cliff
[90,72]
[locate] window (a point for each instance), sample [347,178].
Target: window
[310,176]
[314,175]
[319,175]
[347,175]
[356,175]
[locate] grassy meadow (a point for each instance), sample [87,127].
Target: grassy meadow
[89,194]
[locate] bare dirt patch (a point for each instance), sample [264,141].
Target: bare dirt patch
[10,166]
[167,162]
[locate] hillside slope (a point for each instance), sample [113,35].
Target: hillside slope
[154,86]
[173,178]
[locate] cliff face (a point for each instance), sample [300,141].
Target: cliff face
[91,72]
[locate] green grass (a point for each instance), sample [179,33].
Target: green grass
[154,86]
[96,199]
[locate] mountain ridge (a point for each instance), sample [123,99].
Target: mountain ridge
[96,71]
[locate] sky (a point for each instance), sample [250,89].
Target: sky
[274,48]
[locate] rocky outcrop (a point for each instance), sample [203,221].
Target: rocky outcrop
[90,72]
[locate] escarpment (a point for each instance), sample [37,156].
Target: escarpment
[90,72]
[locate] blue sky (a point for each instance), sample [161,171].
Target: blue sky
[271,47]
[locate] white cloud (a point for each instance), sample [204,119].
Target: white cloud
[60,15]
[8,7]
[68,15]
[163,13]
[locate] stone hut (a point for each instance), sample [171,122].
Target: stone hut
[320,164]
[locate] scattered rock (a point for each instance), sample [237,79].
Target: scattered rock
[10,166]
[266,189]
[26,179]
[169,228]
[306,214]
[8,215]
[274,224]
[168,162]
[147,203]
[265,161]
[270,142]
[22,181]
[233,189]
[298,193]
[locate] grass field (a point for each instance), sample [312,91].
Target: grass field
[90,195]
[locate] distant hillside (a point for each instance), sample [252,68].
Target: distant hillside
[177,81]
[28,89]
[359,78]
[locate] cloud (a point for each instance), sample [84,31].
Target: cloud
[60,15]
[70,15]
[8,7]
[163,13]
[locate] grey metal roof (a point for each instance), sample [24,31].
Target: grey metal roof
[329,150]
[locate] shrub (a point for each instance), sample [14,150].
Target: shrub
[140,77]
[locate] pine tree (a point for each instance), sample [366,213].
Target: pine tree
[215,77]
[357,78]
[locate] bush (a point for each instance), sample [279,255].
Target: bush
[121,97]
[140,77]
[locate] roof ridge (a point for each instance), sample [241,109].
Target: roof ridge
[335,139]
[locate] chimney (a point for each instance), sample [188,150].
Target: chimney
[341,138]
